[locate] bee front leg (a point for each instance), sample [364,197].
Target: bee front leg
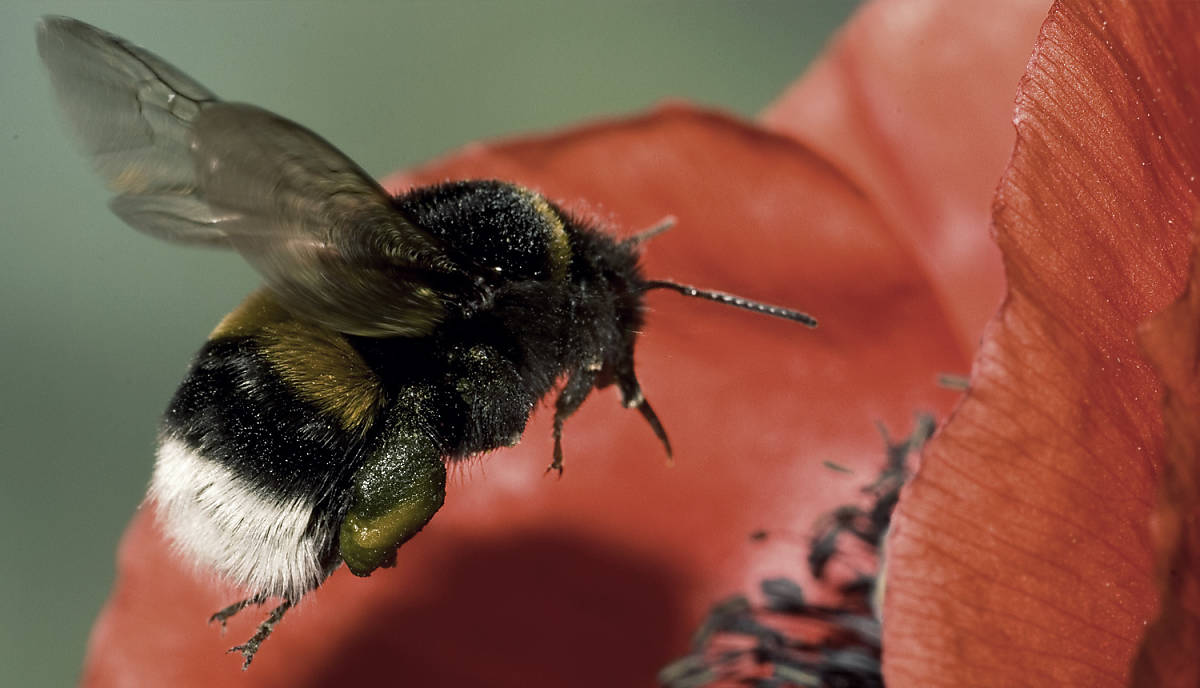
[578,386]
[399,488]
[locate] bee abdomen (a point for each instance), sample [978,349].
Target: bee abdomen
[236,528]
[257,448]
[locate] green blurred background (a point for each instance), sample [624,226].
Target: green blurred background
[97,322]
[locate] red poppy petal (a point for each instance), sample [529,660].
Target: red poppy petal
[1021,554]
[913,101]
[1167,658]
[599,579]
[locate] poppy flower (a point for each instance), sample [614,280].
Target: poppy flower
[1020,553]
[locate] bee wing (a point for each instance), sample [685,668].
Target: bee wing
[190,168]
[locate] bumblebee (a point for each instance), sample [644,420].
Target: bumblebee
[393,334]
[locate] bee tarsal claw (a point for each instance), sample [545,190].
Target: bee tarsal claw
[250,647]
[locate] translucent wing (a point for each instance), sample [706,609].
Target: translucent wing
[189,168]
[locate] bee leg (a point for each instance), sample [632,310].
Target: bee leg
[578,386]
[250,647]
[399,488]
[228,612]
[632,397]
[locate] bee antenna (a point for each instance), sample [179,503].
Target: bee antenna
[651,232]
[731,300]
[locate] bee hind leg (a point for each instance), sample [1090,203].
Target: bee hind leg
[229,612]
[398,489]
[250,647]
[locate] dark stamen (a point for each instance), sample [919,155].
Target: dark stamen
[839,645]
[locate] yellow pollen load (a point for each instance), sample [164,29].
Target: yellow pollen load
[386,530]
